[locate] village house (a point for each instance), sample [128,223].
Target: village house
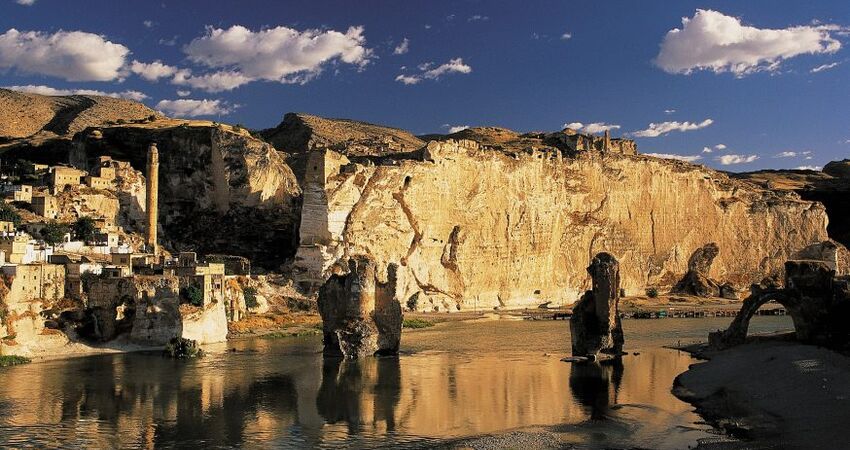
[45,205]
[61,176]
[75,267]
[18,192]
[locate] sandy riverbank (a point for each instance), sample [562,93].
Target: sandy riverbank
[778,394]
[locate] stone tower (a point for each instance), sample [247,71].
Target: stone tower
[152,201]
[606,146]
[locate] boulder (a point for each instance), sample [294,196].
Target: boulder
[595,324]
[696,281]
[361,315]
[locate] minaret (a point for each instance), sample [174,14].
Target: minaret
[152,201]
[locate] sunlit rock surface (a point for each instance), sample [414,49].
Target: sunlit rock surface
[475,228]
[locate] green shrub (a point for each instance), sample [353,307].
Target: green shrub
[183,348]
[250,297]
[84,228]
[54,232]
[7,214]
[13,360]
[192,295]
[652,292]
[416,323]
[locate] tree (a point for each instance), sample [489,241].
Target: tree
[193,295]
[250,297]
[53,233]
[7,214]
[84,229]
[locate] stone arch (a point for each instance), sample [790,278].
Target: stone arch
[736,334]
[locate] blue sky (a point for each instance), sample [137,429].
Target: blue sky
[531,65]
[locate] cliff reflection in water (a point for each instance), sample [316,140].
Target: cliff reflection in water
[459,380]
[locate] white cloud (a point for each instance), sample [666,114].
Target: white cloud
[213,82]
[736,159]
[25,2]
[688,158]
[181,93]
[566,36]
[815,168]
[457,128]
[403,47]
[660,129]
[711,40]
[194,108]
[720,147]
[592,128]
[478,18]
[148,23]
[47,90]
[786,155]
[71,55]
[429,72]
[153,71]
[408,79]
[669,111]
[823,67]
[278,54]
[707,150]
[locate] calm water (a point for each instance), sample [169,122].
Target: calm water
[453,381]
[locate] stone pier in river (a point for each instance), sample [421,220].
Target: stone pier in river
[360,314]
[595,324]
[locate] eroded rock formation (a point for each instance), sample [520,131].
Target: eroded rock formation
[595,324]
[360,315]
[474,227]
[817,301]
[697,281]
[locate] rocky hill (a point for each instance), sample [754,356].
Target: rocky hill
[31,115]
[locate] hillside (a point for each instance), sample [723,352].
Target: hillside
[25,115]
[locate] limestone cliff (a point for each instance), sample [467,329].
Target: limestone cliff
[473,228]
[221,190]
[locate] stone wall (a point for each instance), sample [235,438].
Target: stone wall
[475,228]
[24,296]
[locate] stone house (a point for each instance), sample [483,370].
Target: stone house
[61,176]
[45,205]
[18,192]
[6,227]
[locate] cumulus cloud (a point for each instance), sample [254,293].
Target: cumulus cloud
[707,150]
[727,160]
[786,154]
[566,36]
[25,2]
[720,147]
[47,90]
[71,55]
[592,128]
[212,82]
[823,67]
[815,168]
[429,72]
[402,48]
[687,158]
[181,93]
[278,54]
[477,18]
[660,129]
[713,41]
[152,71]
[194,108]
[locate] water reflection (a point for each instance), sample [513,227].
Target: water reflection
[458,380]
[596,384]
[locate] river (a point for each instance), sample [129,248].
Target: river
[452,382]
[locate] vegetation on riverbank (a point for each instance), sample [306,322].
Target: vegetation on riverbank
[13,360]
[417,323]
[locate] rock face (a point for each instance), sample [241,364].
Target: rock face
[472,227]
[220,190]
[831,187]
[817,301]
[595,324]
[697,282]
[360,315]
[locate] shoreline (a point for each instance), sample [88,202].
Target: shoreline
[771,393]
